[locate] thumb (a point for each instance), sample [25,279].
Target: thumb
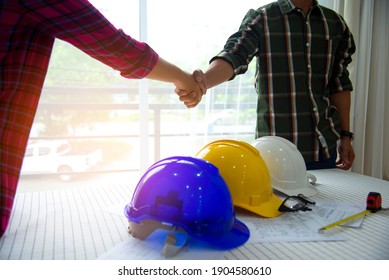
[198,75]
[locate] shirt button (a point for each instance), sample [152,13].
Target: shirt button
[309,66]
[314,109]
[307,44]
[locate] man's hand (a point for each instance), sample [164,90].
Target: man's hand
[200,79]
[346,154]
[192,98]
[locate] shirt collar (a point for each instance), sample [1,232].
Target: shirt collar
[287,6]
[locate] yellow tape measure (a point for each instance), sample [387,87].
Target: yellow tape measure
[373,204]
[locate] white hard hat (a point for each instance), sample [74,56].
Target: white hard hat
[286,166]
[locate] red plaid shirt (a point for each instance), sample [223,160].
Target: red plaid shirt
[27,32]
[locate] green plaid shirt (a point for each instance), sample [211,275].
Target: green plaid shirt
[301,60]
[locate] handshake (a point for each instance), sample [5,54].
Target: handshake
[191,88]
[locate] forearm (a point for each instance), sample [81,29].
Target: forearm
[218,72]
[342,101]
[167,72]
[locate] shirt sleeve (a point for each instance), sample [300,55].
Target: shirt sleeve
[82,25]
[242,46]
[340,80]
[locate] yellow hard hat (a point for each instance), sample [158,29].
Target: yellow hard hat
[246,175]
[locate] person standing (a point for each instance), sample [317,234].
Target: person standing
[304,91]
[27,33]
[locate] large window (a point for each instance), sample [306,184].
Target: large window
[116,127]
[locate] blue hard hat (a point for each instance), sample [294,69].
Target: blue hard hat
[187,193]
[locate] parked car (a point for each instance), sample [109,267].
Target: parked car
[57,157]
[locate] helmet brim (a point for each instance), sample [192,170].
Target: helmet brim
[237,236]
[268,209]
[308,191]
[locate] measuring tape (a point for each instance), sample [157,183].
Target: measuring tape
[373,204]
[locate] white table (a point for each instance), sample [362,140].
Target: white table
[368,242]
[75,224]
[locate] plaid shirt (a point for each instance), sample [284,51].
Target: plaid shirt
[27,33]
[301,60]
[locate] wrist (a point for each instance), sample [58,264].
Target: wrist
[346,134]
[181,79]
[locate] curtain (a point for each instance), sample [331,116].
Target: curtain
[368,21]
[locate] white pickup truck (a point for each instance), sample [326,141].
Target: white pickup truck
[56,157]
